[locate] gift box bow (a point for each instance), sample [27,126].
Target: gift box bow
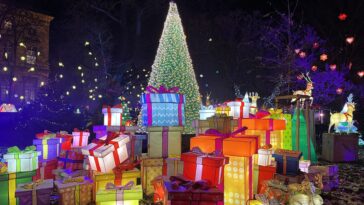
[78,130]
[127,186]
[162,89]
[189,185]
[231,134]
[44,135]
[16,150]
[210,107]
[119,106]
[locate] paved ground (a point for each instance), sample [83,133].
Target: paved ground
[351,188]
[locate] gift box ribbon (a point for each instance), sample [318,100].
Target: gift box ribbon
[162,89]
[108,140]
[33,186]
[218,141]
[119,190]
[165,142]
[66,160]
[81,135]
[15,151]
[108,109]
[44,134]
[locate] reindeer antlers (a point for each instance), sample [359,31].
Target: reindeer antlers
[307,77]
[253,94]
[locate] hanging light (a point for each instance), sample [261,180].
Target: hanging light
[42,83]
[22,44]
[333,67]
[342,16]
[31,69]
[302,54]
[22,58]
[6,55]
[100,96]
[5,68]
[315,45]
[60,64]
[350,39]
[360,74]
[314,68]
[60,75]
[339,91]
[74,87]
[82,81]
[87,43]
[323,57]
[79,67]
[15,79]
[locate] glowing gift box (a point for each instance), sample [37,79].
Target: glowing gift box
[199,166]
[223,110]
[150,169]
[265,173]
[236,108]
[221,123]
[21,161]
[117,177]
[71,159]
[201,126]
[242,146]
[182,195]
[238,180]
[172,167]
[107,152]
[62,174]
[287,161]
[206,112]
[286,133]
[113,115]
[163,107]
[49,147]
[304,165]
[265,156]
[129,194]
[266,125]
[40,194]
[45,169]
[75,191]
[164,141]
[66,140]
[80,137]
[8,184]
[102,130]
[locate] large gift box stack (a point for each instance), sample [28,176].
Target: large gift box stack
[163,115]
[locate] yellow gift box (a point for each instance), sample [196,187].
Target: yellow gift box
[101,179]
[164,141]
[150,169]
[238,181]
[115,196]
[223,110]
[275,137]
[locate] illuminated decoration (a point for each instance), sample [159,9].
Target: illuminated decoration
[342,16]
[7,108]
[350,40]
[173,66]
[6,55]
[323,57]
[42,83]
[345,117]
[74,87]
[333,67]
[60,64]
[113,115]
[302,54]
[315,45]
[67,93]
[360,74]
[15,79]
[297,50]
[22,58]
[5,68]
[307,91]
[21,97]
[254,105]
[339,91]
[31,69]
[79,67]
[314,68]
[87,43]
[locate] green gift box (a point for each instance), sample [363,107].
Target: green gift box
[21,161]
[112,196]
[8,184]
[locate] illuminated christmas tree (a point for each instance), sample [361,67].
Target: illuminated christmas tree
[126,111]
[173,66]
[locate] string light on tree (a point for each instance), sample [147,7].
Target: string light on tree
[350,39]
[314,68]
[323,57]
[360,74]
[333,67]
[5,68]
[173,66]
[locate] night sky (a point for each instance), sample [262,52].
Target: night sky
[199,17]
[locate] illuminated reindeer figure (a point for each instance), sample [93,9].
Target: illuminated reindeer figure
[254,106]
[307,92]
[347,116]
[208,99]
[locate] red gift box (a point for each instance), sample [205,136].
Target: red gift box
[182,195]
[45,169]
[198,166]
[66,140]
[72,159]
[265,173]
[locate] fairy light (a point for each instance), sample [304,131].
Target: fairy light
[87,43]
[82,81]
[31,69]
[22,44]
[74,87]
[67,93]
[22,58]
[6,55]
[100,96]
[79,67]
[60,64]
[15,79]
[42,83]
[60,75]
[21,97]
[5,68]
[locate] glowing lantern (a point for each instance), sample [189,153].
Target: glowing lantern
[361,74]
[339,91]
[333,67]
[315,45]
[350,39]
[342,16]
[297,50]
[302,54]
[314,68]
[323,57]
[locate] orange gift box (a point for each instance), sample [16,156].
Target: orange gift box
[263,124]
[265,173]
[206,143]
[241,146]
[198,166]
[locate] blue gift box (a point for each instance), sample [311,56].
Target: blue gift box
[287,161]
[165,109]
[49,147]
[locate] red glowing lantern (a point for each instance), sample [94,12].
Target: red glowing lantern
[350,39]
[314,68]
[315,45]
[323,57]
[342,16]
[333,67]
[360,74]
[339,91]
[302,54]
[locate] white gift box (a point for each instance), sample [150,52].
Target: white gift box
[22,162]
[80,138]
[206,112]
[104,157]
[112,116]
[304,165]
[265,157]
[235,109]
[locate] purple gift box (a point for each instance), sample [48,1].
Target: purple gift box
[49,148]
[42,194]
